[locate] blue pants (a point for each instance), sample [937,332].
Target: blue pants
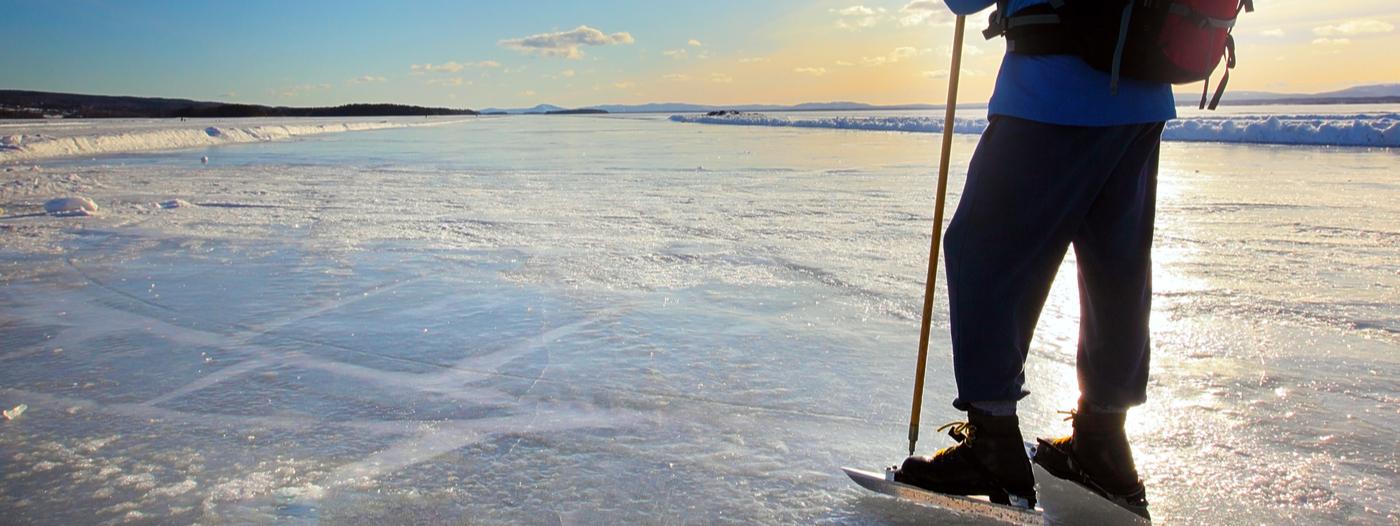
[1033,189]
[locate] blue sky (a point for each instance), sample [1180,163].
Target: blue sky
[782,51]
[261,49]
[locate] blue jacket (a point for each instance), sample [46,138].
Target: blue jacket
[1063,89]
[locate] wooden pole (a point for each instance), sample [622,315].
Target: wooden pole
[937,231]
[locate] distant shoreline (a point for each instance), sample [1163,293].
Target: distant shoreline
[25,105]
[20,104]
[1300,101]
[1182,102]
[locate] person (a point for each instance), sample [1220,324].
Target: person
[1069,158]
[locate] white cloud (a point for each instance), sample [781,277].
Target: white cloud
[528,93]
[623,84]
[676,77]
[898,54]
[858,16]
[1354,27]
[1331,41]
[923,11]
[752,60]
[366,79]
[565,44]
[1271,33]
[231,94]
[943,73]
[674,53]
[565,74]
[451,67]
[969,50]
[845,63]
[811,71]
[693,42]
[721,78]
[452,82]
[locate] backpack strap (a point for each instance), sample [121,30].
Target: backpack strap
[1034,30]
[1246,6]
[1118,48]
[1229,65]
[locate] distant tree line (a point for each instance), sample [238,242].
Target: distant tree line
[26,104]
[348,110]
[6,113]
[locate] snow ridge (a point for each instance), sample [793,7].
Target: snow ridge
[41,146]
[1379,130]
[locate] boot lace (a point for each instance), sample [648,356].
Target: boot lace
[960,431]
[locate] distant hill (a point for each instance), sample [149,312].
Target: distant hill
[1367,94]
[538,109]
[681,107]
[580,111]
[20,104]
[543,109]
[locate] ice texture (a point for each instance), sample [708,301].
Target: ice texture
[623,320]
[1381,130]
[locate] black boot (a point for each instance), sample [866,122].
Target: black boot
[1096,456]
[989,460]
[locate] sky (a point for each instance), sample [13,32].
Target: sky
[478,54]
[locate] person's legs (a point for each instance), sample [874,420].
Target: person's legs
[1029,187]
[1113,247]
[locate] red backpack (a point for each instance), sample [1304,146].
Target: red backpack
[1174,41]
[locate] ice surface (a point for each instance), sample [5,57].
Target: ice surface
[1381,129]
[620,320]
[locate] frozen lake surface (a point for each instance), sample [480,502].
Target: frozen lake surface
[622,319]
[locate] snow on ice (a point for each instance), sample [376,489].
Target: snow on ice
[1325,130]
[70,206]
[79,138]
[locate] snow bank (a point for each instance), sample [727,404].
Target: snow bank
[98,139]
[70,206]
[1329,130]
[905,124]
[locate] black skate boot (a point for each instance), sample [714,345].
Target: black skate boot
[1097,457]
[989,460]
